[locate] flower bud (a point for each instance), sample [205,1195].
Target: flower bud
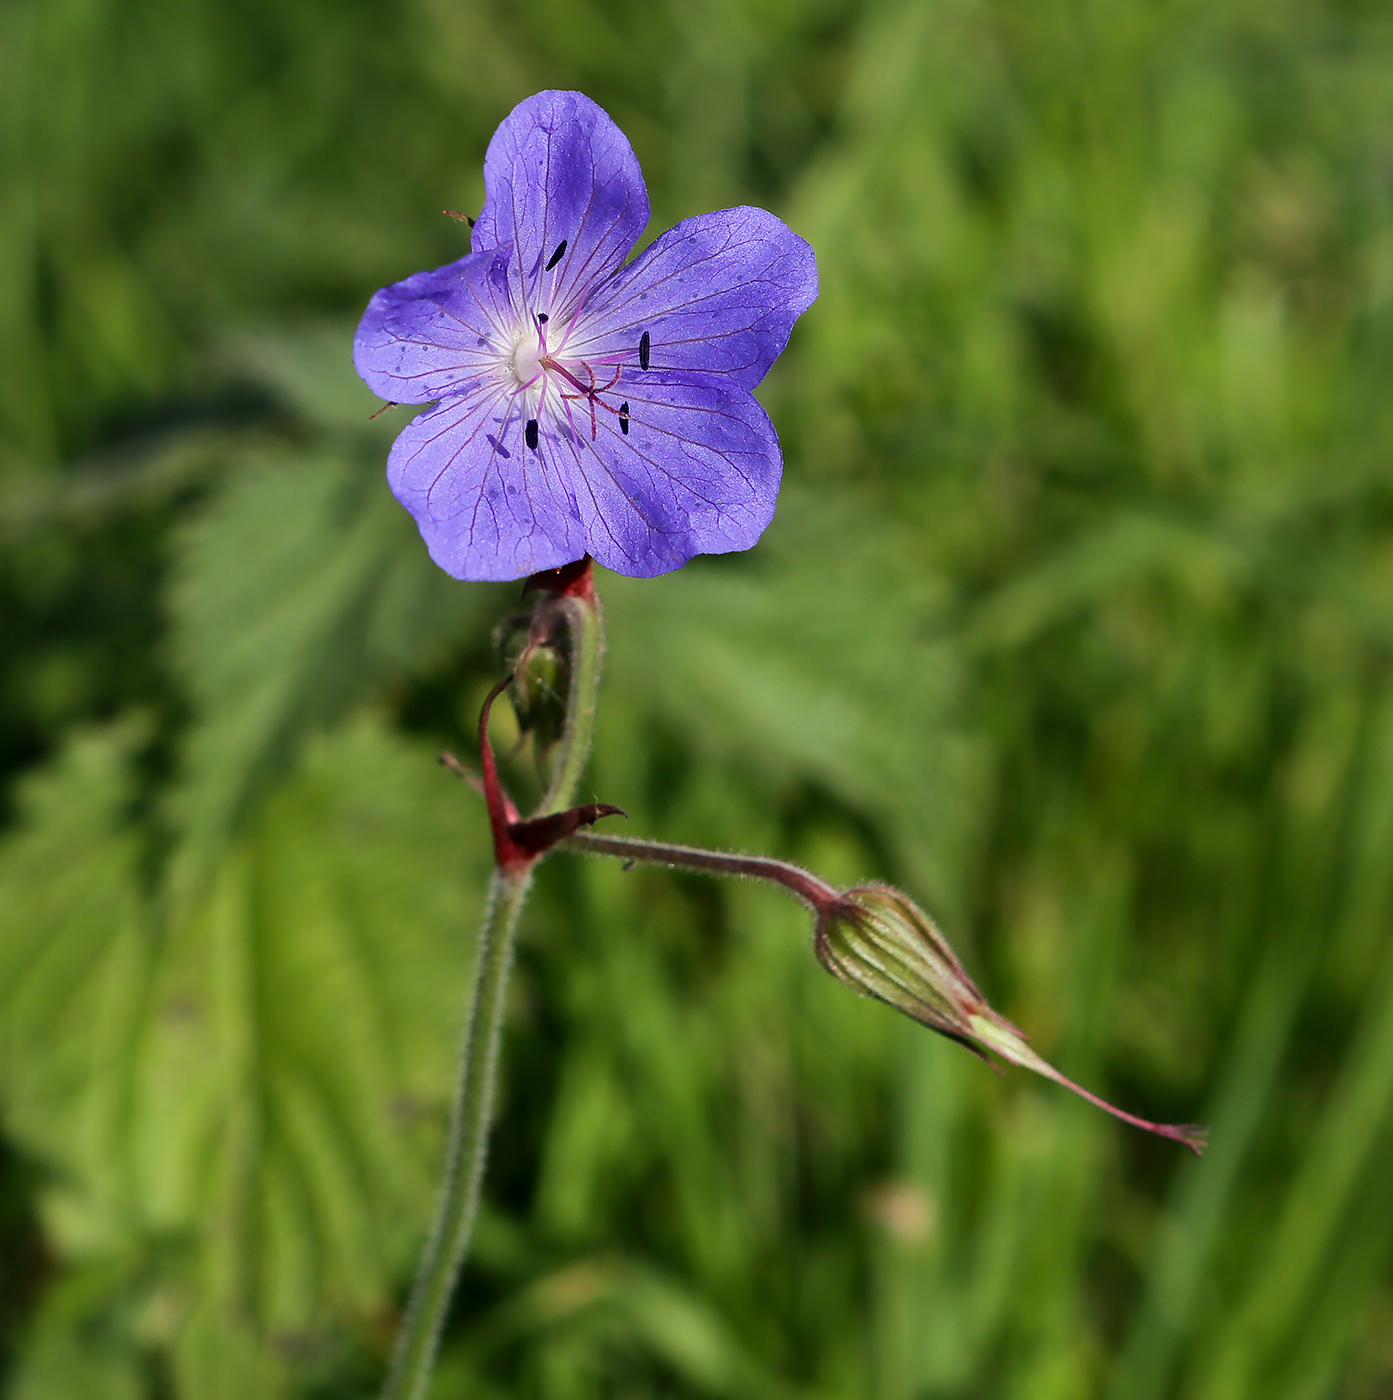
[875,939]
[541,683]
[878,941]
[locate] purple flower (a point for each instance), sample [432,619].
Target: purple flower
[586,406]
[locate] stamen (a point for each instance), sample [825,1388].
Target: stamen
[531,433]
[643,351]
[590,392]
[551,363]
[458,217]
[594,426]
[557,255]
[570,417]
[543,317]
[624,418]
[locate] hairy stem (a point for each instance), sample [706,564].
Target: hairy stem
[414,1358]
[585,626]
[816,894]
[472,1111]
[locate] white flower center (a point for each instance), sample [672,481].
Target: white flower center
[525,363]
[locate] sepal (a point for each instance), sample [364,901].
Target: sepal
[517,843]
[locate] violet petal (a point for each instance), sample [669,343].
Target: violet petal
[487,507]
[437,331]
[558,168]
[697,472]
[717,293]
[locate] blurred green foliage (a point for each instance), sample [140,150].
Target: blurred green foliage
[1075,620]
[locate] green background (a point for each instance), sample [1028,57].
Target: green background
[1076,621]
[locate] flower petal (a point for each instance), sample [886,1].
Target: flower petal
[697,472]
[558,171]
[487,506]
[718,293]
[435,332]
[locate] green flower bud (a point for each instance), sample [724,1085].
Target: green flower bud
[541,682]
[875,939]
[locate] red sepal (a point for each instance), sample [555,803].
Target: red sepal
[539,834]
[569,581]
[517,843]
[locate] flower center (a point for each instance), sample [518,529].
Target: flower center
[537,374]
[525,363]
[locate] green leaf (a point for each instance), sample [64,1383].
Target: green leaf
[82,1344]
[261,1123]
[300,590]
[73,965]
[292,1077]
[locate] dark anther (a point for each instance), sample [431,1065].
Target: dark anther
[643,351]
[543,317]
[532,433]
[458,217]
[557,255]
[624,419]
[628,865]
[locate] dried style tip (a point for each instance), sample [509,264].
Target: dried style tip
[876,940]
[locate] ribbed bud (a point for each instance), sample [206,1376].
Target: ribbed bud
[876,940]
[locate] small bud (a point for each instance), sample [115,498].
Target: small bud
[541,683]
[876,940]
[884,945]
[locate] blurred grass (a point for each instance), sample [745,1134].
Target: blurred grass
[1075,620]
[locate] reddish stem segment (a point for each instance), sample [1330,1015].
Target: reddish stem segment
[517,843]
[503,815]
[817,894]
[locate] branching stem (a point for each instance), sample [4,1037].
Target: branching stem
[472,1112]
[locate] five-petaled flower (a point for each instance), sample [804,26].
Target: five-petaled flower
[586,405]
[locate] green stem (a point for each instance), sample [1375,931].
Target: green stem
[586,631]
[471,1116]
[414,1358]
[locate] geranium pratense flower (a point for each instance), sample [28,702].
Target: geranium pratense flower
[585,405]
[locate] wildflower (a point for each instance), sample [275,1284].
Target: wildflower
[585,405]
